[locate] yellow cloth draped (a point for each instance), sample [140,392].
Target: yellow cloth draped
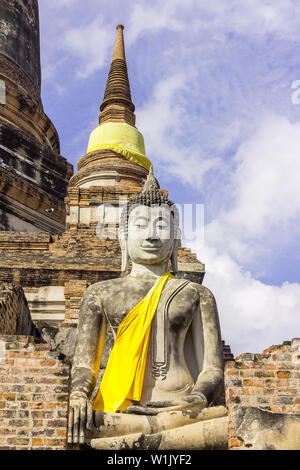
[123,378]
[123,139]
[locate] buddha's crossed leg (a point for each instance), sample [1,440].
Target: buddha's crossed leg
[121,430]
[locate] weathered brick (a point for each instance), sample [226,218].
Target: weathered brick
[263,373]
[18,441]
[6,432]
[57,423]
[24,397]
[55,442]
[287,391]
[18,422]
[37,442]
[231,372]
[9,396]
[285,400]
[253,383]
[283,374]
[49,363]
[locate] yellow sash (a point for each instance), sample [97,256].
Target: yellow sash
[123,378]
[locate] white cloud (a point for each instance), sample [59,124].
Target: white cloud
[253,315]
[263,192]
[91,44]
[250,17]
[163,123]
[263,197]
[151,18]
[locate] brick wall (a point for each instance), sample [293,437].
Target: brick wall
[269,381]
[34,384]
[74,291]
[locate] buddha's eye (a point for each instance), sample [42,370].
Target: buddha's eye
[141,224]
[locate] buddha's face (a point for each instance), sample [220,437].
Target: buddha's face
[150,234]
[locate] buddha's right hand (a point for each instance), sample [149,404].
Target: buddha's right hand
[80,417]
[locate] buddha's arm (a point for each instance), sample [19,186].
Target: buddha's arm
[210,380]
[88,351]
[89,344]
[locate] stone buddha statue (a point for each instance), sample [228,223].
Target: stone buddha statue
[175,375]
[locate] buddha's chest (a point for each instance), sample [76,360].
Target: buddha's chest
[174,310]
[169,326]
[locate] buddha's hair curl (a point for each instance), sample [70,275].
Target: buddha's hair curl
[150,196]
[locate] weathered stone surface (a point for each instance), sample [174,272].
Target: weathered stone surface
[19,36]
[259,429]
[61,338]
[33,175]
[15,318]
[209,434]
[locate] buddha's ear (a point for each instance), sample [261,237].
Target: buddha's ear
[124,250]
[174,256]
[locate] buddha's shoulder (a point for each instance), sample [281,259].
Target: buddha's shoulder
[108,286]
[199,290]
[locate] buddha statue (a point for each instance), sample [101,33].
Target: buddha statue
[165,371]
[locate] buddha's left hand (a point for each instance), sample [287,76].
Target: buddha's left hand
[192,401]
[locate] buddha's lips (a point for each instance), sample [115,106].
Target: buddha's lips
[151,248]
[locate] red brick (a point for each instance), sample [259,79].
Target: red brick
[283,374]
[231,372]
[9,396]
[48,363]
[37,442]
[253,383]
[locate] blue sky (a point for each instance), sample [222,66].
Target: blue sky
[212,85]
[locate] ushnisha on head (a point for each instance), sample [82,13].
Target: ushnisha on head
[149,228]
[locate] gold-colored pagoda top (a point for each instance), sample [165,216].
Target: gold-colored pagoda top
[116,130]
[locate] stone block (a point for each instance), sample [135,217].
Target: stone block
[259,429]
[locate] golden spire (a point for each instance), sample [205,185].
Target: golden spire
[117,105]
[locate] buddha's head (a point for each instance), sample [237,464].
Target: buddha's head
[149,228]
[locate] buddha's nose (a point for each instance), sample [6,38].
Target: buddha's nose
[152,233]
